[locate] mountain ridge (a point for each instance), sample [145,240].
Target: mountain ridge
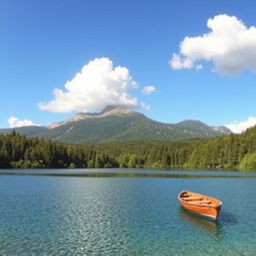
[118,123]
[107,111]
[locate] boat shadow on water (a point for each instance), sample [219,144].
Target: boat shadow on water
[227,219]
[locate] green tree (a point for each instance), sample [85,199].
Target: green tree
[249,162]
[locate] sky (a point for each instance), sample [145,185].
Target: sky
[171,60]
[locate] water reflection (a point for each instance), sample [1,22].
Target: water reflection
[134,173]
[214,227]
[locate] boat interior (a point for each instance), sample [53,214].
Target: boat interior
[195,198]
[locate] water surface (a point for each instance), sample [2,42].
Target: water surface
[112,172]
[60,215]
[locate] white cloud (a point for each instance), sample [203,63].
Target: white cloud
[230,45]
[98,84]
[178,62]
[15,122]
[148,89]
[239,127]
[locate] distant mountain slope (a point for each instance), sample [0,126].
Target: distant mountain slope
[200,129]
[117,123]
[27,130]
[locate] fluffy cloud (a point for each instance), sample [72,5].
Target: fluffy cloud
[148,89]
[239,127]
[98,84]
[230,45]
[15,122]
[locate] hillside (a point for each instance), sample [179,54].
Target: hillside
[229,152]
[117,123]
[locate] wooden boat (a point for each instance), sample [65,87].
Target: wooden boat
[200,204]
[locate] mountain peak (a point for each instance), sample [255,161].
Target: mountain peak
[112,107]
[117,110]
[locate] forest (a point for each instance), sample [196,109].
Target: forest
[224,152]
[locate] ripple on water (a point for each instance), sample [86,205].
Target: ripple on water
[120,216]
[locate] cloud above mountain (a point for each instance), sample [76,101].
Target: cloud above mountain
[16,122]
[97,85]
[230,45]
[148,89]
[239,127]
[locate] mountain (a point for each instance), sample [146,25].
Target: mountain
[117,123]
[28,131]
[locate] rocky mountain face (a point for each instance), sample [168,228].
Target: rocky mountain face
[107,111]
[118,123]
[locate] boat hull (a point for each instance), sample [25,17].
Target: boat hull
[206,211]
[209,210]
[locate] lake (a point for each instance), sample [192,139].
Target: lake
[123,212]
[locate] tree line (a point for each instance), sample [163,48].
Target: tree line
[225,152]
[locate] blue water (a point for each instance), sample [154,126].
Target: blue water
[45,215]
[126,172]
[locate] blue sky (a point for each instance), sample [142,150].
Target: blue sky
[44,44]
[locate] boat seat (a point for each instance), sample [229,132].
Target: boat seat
[194,198]
[205,202]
